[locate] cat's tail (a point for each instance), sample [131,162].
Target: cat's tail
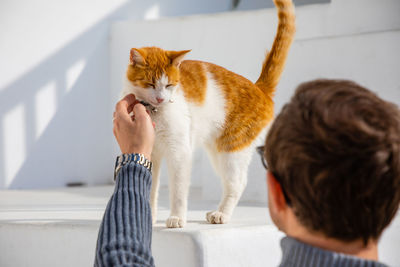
[276,58]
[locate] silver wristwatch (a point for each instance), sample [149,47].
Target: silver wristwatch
[126,158]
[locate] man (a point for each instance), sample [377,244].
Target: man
[334,174]
[333,178]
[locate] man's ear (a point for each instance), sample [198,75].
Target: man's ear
[275,193]
[137,57]
[177,56]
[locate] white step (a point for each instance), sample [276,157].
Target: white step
[59,228]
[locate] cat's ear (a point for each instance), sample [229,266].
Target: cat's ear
[177,56]
[137,57]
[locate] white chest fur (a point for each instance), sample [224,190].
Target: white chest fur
[181,126]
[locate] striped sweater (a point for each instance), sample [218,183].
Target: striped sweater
[125,233]
[124,237]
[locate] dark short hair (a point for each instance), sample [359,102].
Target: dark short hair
[336,150]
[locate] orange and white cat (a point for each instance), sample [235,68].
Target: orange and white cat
[199,103]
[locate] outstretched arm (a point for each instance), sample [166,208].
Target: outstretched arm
[125,233]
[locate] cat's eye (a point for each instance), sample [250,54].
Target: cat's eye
[151,85]
[169,85]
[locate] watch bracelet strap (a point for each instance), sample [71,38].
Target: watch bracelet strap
[126,158]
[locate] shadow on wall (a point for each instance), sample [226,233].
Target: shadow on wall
[56,120]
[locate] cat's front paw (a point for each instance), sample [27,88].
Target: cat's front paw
[217,217]
[175,222]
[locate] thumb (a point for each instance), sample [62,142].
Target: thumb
[140,112]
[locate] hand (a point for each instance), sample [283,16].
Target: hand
[134,134]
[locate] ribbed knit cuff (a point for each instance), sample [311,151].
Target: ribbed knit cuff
[140,175]
[126,230]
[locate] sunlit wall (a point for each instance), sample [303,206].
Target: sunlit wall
[55,97]
[55,121]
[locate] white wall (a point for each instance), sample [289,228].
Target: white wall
[351,39]
[55,99]
[55,124]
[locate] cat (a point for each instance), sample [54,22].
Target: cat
[198,103]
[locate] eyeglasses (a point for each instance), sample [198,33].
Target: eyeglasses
[261,152]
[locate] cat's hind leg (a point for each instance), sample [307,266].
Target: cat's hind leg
[232,167]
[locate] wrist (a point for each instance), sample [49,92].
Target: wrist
[136,150]
[137,158]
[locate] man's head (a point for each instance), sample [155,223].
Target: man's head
[335,151]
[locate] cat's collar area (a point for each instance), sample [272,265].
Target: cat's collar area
[149,106]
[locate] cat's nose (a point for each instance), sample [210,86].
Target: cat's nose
[159,100]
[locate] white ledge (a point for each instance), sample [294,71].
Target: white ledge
[48,227]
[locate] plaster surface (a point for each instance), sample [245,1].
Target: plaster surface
[59,228]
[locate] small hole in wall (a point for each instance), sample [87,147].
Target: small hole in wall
[76,184]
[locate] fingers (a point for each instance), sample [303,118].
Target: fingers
[125,106]
[126,103]
[133,118]
[130,108]
[130,99]
[140,111]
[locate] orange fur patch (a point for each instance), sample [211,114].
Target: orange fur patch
[193,80]
[157,63]
[248,109]
[249,106]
